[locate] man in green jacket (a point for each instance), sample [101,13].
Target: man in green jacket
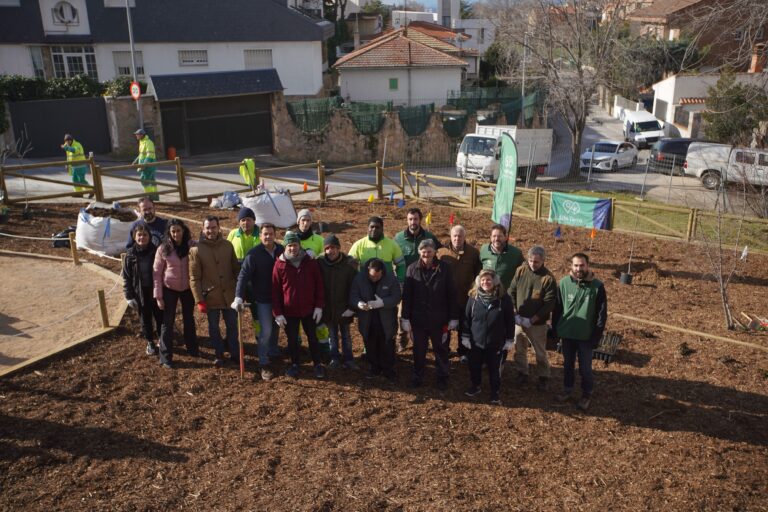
[501,256]
[534,293]
[409,240]
[579,319]
[76,152]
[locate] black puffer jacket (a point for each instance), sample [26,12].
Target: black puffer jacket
[137,258]
[489,325]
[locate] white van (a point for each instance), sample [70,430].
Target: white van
[642,128]
[713,163]
[478,155]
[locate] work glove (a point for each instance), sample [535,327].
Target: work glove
[160,304]
[377,303]
[132,303]
[526,322]
[466,343]
[237,305]
[405,324]
[317,314]
[363,306]
[280,321]
[508,345]
[453,325]
[518,320]
[202,307]
[348,313]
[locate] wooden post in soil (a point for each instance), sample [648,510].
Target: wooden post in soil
[103,308]
[73,248]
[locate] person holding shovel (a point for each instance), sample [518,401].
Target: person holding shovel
[138,286]
[146,156]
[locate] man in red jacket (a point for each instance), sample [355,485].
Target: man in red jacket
[297,298]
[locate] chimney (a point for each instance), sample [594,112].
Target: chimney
[758,59]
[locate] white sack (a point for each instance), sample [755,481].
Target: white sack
[278,211]
[101,235]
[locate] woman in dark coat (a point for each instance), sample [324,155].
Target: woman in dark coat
[138,284]
[488,330]
[375,295]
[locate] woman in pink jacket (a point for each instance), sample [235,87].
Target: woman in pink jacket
[171,285]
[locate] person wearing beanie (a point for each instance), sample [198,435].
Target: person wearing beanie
[376,245]
[298,299]
[310,241]
[338,271]
[246,236]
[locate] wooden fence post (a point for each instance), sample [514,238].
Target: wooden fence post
[379,180]
[321,179]
[181,180]
[537,204]
[613,213]
[473,193]
[418,185]
[402,179]
[690,232]
[103,309]
[98,186]
[3,188]
[73,248]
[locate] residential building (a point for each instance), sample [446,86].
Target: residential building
[400,67]
[448,12]
[481,33]
[58,38]
[402,19]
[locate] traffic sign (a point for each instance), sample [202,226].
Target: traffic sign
[135,90]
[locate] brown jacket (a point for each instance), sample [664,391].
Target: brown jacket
[534,293]
[213,268]
[464,266]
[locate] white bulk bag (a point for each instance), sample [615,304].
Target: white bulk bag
[274,207]
[101,235]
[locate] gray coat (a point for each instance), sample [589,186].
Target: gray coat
[388,288]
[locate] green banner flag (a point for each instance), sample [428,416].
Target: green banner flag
[505,185]
[575,210]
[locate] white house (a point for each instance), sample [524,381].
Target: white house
[677,97]
[398,69]
[402,19]
[59,38]
[481,33]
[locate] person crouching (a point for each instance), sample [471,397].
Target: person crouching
[488,329]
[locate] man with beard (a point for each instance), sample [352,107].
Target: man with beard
[156,225]
[501,256]
[581,313]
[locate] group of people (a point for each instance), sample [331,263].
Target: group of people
[75,153]
[409,289]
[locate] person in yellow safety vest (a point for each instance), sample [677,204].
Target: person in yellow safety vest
[75,152]
[146,155]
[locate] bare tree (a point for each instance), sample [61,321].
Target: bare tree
[570,46]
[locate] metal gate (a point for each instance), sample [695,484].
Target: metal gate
[43,124]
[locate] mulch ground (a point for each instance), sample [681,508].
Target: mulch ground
[678,421]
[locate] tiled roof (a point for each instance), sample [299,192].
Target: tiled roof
[438,31]
[222,83]
[662,9]
[399,49]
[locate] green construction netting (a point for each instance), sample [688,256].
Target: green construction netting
[529,109]
[473,98]
[512,110]
[415,120]
[368,118]
[454,124]
[312,115]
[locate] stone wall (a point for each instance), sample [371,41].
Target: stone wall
[123,120]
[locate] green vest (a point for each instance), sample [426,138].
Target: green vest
[504,264]
[579,301]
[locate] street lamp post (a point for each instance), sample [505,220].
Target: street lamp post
[133,58]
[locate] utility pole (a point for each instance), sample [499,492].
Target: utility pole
[133,58]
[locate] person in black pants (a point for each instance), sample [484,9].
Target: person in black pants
[430,311]
[375,295]
[488,330]
[137,284]
[171,285]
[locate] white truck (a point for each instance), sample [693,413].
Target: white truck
[642,128]
[478,155]
[712,163]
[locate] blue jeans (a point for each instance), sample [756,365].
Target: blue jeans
[230,321]
[267,344]
[582,349]
[346,341]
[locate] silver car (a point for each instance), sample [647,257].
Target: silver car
[609,155]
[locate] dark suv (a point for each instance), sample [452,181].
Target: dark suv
[668,155]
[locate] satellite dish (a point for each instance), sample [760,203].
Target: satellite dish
[65,13]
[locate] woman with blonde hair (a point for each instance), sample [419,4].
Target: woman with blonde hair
[488,330]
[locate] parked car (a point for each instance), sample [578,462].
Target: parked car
[668,155]
[642,128]
[609,155]
[712,163]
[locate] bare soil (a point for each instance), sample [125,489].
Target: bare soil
[678,421]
